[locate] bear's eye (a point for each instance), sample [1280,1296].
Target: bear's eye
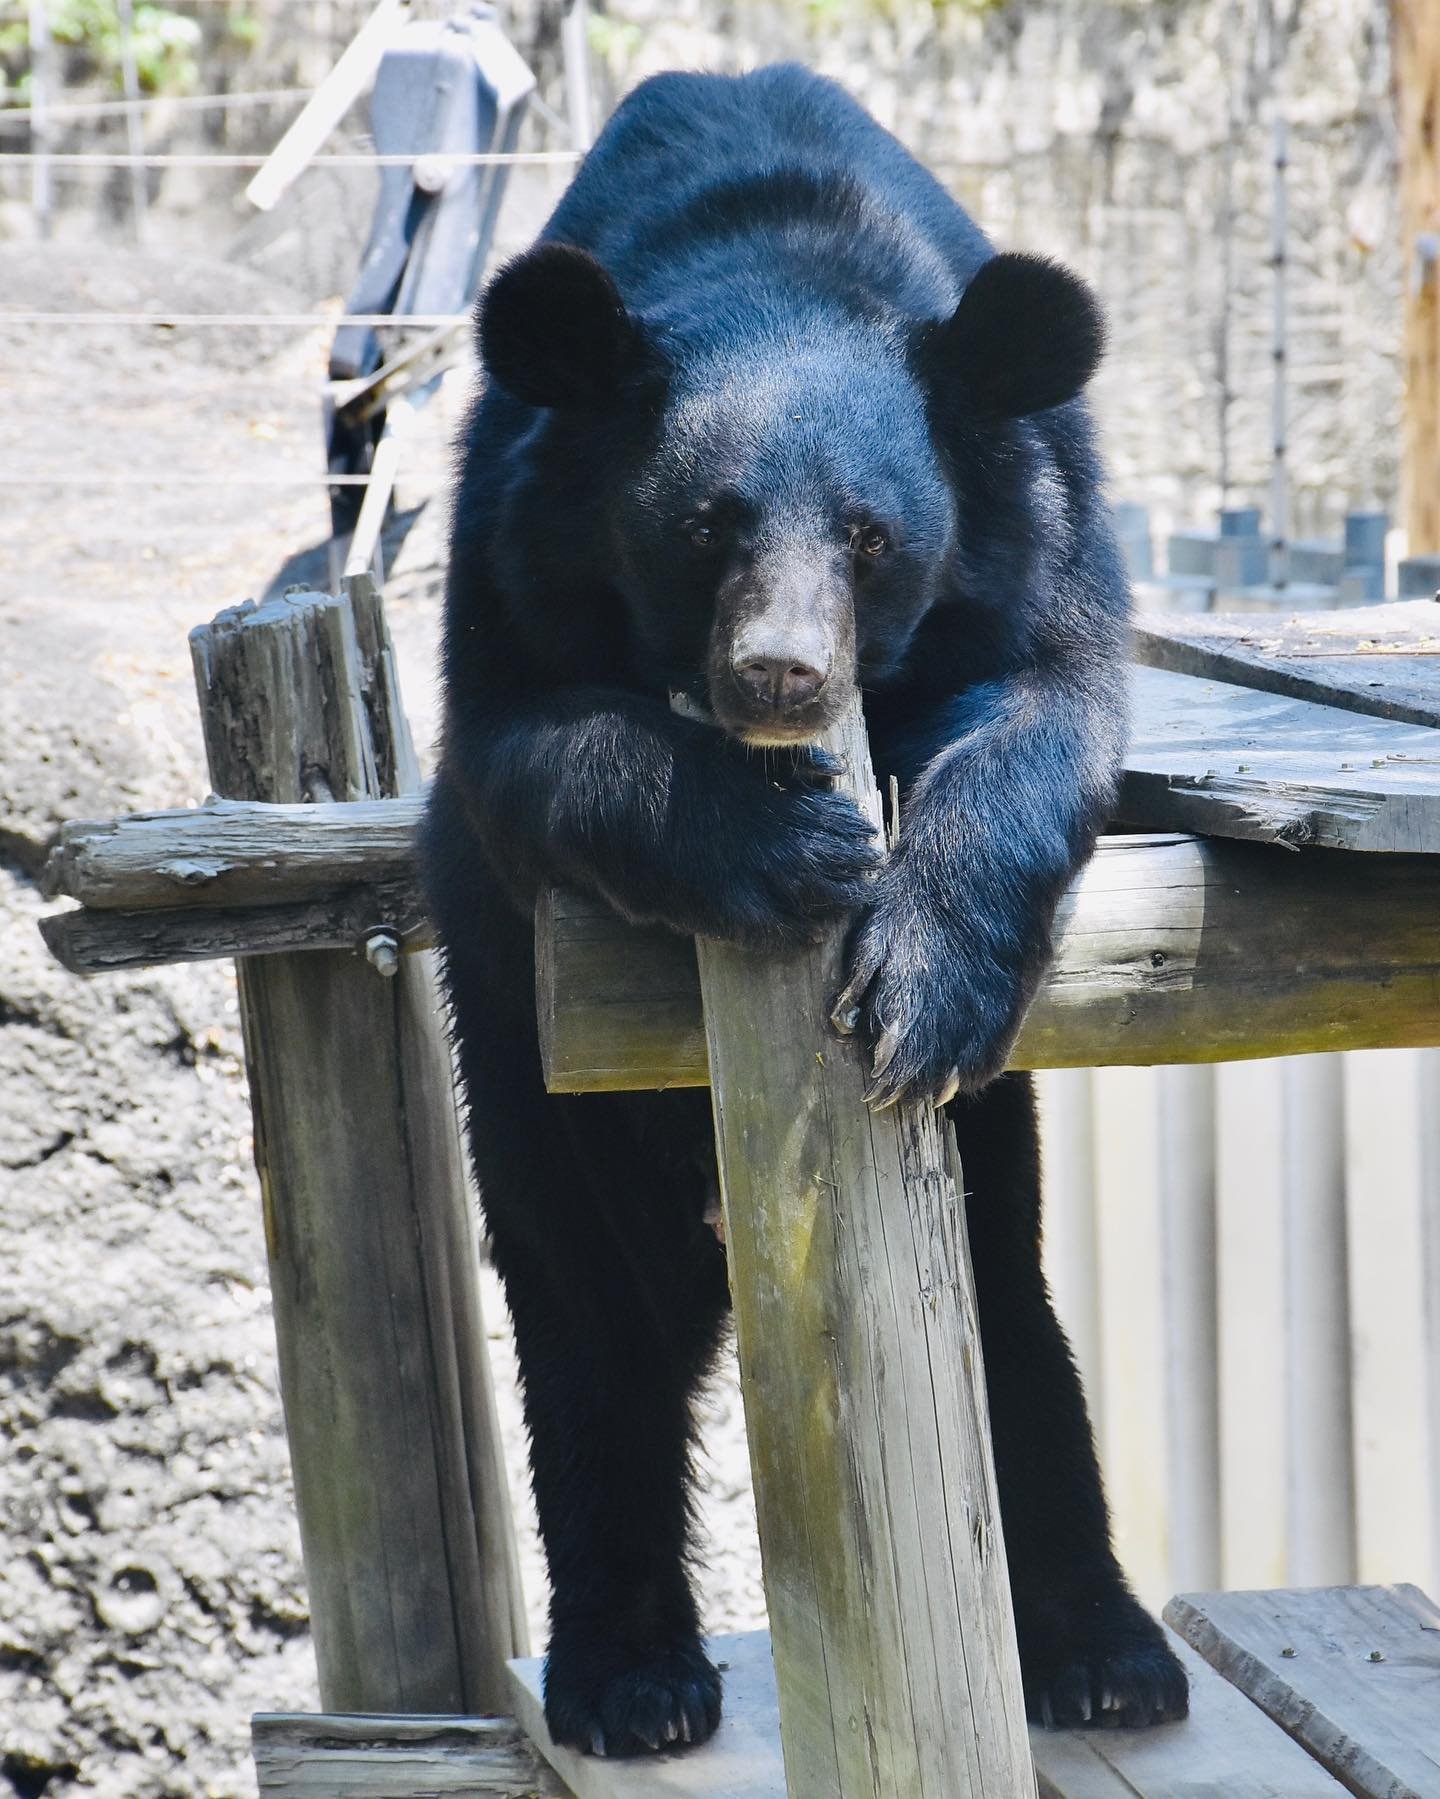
[869,540]
[704,537]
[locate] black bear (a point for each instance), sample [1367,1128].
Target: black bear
[768,418]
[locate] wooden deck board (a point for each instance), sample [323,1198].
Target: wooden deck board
[1351,1673]
[1381,660]
[338,1755]
[1226,1749]
[741,1761]
[1228,761]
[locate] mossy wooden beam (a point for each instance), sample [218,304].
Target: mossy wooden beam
[1169,949]
[885,1574]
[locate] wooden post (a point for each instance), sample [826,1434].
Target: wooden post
[1416,37]
[404,1517]
[884,1565]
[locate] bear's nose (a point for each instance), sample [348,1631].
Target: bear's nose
[778,681]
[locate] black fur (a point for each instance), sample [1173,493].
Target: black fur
[763,391]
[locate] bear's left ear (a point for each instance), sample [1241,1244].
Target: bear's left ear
[1026,335]
[554,331]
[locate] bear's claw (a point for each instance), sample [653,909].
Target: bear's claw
[608,1702]
[1126,1690]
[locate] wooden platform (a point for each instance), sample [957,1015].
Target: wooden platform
[1226,1748]
[1294,1695]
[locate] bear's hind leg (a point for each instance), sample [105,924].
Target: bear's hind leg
[1089,1651]
[617,1289]
[607,1402]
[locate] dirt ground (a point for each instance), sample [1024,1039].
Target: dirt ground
[151,1591]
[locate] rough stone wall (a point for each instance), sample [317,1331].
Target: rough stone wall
[1132,138]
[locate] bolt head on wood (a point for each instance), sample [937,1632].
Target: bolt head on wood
[382,952]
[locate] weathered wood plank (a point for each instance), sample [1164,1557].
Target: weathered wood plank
[1380,660]
[741,1761]
[1168,949]
[328,1755]
[399,1479]
[884,1567]
[104,940]
[1225,1749]
[1232,762]
[228,853]
[1352,1673]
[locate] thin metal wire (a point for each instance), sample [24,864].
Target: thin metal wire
[106,478]
[102,109]
[288,320]
[224,159]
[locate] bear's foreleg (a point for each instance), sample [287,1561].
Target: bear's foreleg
[1005,788]
[666,819]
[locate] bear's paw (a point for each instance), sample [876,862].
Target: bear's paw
[607,1698]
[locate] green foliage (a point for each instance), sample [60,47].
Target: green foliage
[164,43]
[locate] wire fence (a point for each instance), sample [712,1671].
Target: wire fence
[105,109]
[225,159]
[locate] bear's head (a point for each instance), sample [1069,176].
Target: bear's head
[788,491]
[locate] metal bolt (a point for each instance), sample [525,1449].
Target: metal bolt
[382,952]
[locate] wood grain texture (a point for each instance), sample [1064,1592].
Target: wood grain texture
[1233,762]
[232,854]
[102,940]
[1379,660]
[884,1567]
[1168,949]
[400,1486]
[326,1755]
[1351,1673]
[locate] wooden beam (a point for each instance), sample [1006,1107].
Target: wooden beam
[399,1478]
[329,1755]
[1169,949]
[620,1007]
[108,940]
[1416,46]
[230,853]
[1351,1673]
[885,1573]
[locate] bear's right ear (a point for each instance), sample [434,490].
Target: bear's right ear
[1027,335]
[554,331]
